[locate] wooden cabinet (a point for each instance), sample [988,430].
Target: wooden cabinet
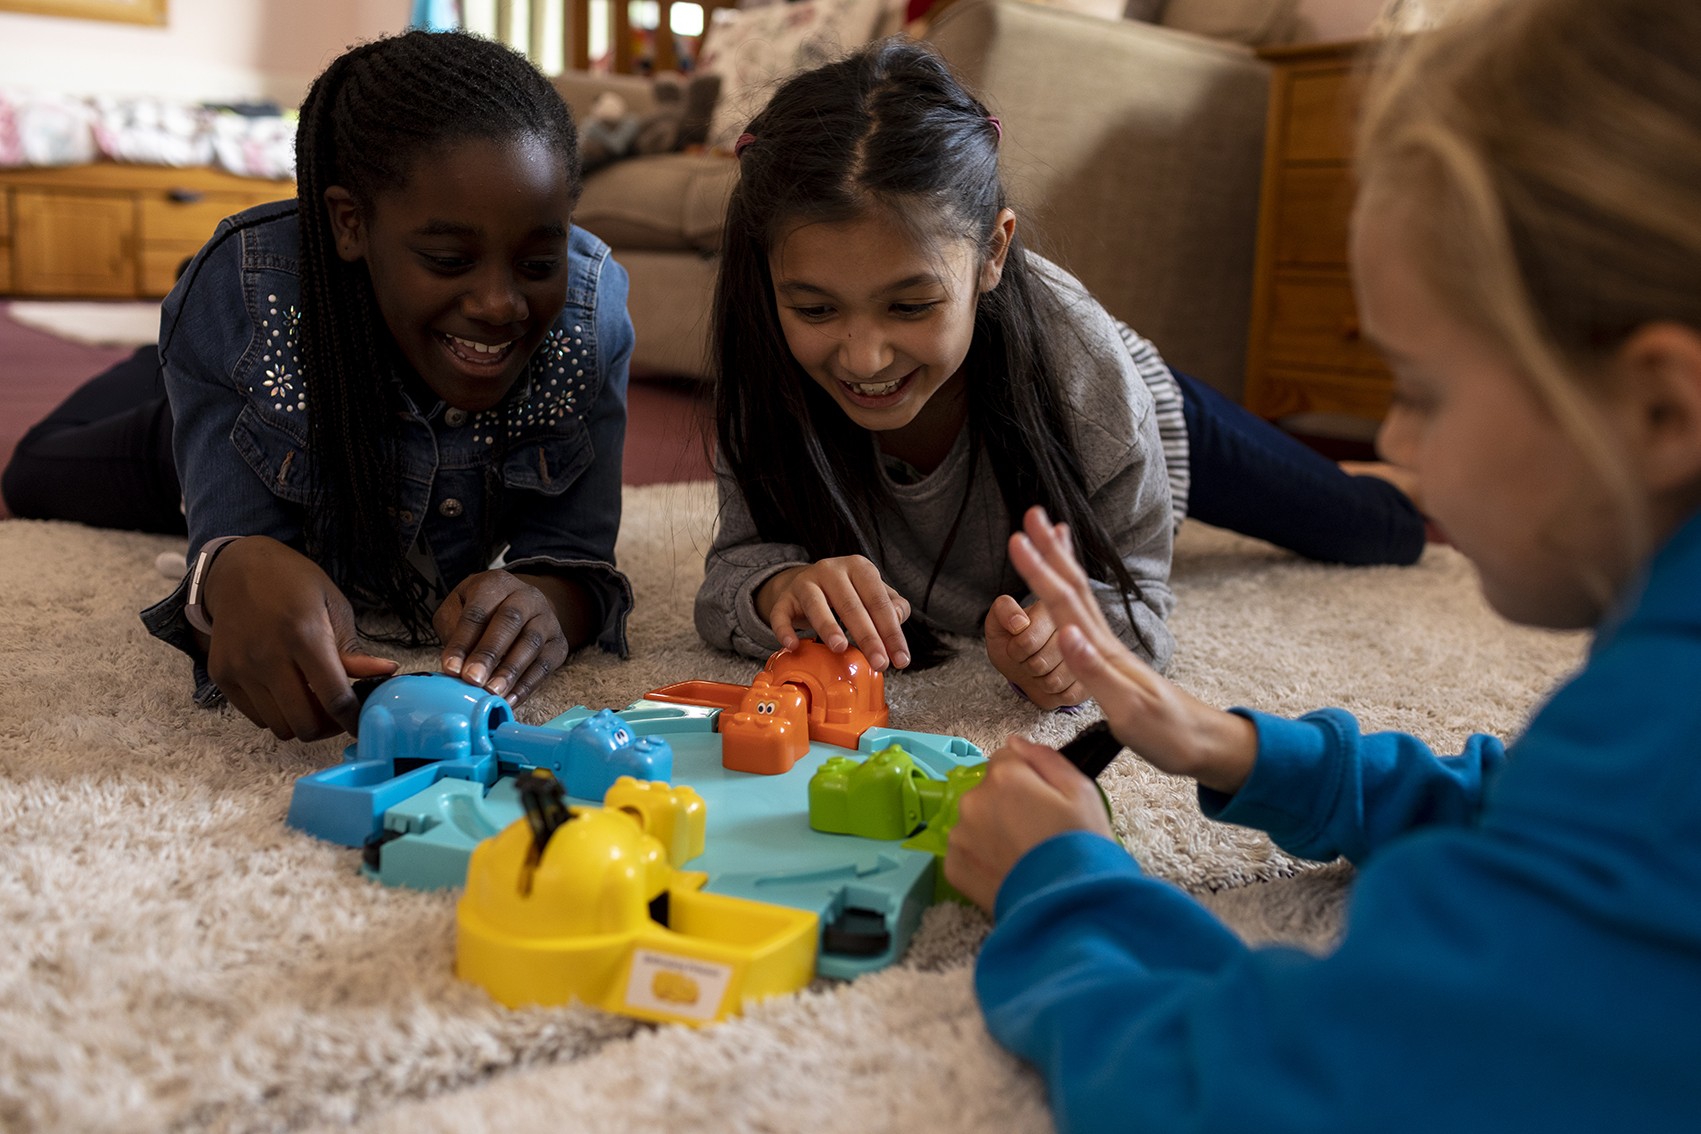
[1306,355]
[111,230]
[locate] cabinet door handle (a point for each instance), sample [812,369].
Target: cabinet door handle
[184,196]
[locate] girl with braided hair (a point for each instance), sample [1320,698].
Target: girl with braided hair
[414,370]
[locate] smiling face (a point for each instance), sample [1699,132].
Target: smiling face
[1497,474]
[468,261]
[883,323]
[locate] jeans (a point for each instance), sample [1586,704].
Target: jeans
[1250,477]
[103,457]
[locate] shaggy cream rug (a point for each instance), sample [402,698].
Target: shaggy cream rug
[174,957]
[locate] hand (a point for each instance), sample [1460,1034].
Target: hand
[847,588]
[1171,729]
[500,632]
[284,649]
[1030,794]
[1023,646]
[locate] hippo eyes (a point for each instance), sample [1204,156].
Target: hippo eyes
[767,707]
[621,736]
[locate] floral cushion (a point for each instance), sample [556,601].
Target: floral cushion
[752,49]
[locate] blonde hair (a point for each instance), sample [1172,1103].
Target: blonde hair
[1549,153]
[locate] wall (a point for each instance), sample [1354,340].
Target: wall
[1336,19]
[209,50]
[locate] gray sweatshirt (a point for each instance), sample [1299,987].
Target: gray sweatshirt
[1116,439]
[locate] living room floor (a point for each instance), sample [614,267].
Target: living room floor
[665,432]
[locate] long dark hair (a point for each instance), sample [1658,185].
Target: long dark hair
[887,130]
[366,123]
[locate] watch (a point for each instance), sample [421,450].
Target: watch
[192,609]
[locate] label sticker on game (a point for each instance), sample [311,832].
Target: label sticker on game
[676,986]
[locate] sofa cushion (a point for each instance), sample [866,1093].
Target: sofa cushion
[662,202]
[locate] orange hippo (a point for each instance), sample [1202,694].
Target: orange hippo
[846,696]
[809,693]
[768,731]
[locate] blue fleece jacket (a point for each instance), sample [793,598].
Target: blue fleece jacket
[1523,944]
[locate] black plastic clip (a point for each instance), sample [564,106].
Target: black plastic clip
[1092,749]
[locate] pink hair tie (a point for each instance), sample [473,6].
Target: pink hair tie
[996,125]
[744,140]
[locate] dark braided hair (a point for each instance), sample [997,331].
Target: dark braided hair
[366,123]
[887,131]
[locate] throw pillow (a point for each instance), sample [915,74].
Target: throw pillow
[1244,21]
[751,49]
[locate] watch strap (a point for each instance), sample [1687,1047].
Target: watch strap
[193,608]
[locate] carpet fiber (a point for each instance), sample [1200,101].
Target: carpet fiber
[175,957]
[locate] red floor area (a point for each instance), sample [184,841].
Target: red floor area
[664,441]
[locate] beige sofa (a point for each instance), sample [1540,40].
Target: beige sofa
[1134,154]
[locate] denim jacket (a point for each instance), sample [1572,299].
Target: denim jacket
[239,400]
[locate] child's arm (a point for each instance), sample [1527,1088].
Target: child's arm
[283,648]
[1499,975]
[1166,725]
[1316,785]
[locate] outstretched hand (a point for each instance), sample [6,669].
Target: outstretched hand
[1023,646]
[846,589]
[500,632]
[1030,794]
[1170,728]
[284,650]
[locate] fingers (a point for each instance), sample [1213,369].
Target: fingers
[502,633]
[1023,646]
[897,646]
[532,656]
[512,638]
[1118,684]
[783,617]
[1049,765]
[1071,694]
[844,600]
[326,679]
[508,630]
[1041,553]
[1042,791]
[289,708]
[528,681]
[1030,793]
[807,603]
[1037,643]
[1005,619]
[459,628]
